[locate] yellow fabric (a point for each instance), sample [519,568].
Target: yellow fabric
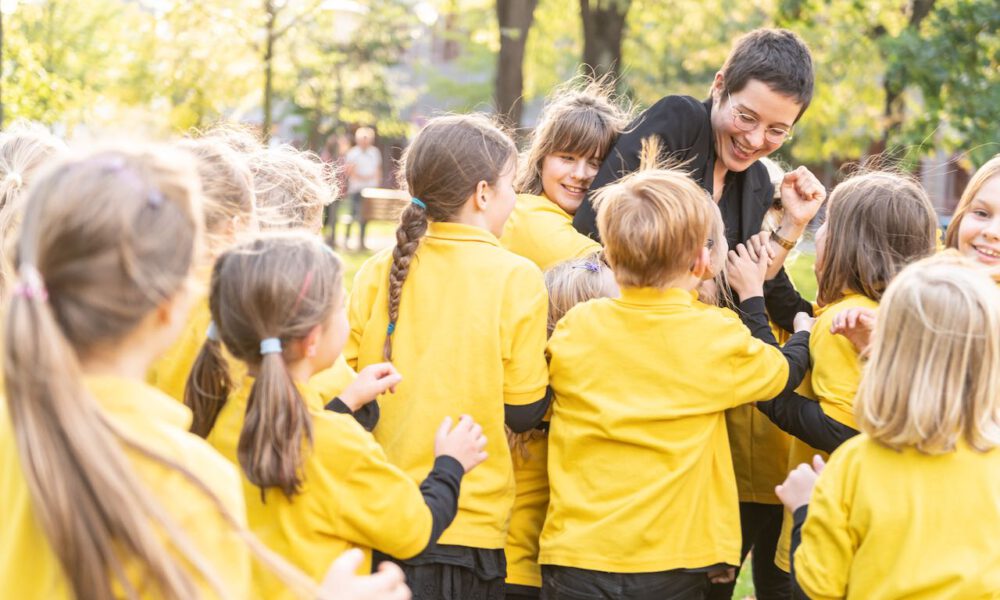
[169,373]
[28,566]
[640,471]
[833,382]
[330,382]
[470,338]
[885,524]
[836,370]
[532,500]
[760,449]
[351,496]
[543,233]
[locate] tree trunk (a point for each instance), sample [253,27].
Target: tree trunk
[893,111]
[603,28]
[515,17]
[272,15]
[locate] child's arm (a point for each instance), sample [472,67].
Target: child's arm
[526,394]
[805,419]
[358,398]
[745,269]
[794,493]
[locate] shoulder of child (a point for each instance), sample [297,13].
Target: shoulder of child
[339,441]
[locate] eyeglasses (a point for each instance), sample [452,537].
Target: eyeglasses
[745,122]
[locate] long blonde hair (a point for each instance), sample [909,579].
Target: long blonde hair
[934,372]
[106,239]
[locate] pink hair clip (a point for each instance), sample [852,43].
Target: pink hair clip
[31,286]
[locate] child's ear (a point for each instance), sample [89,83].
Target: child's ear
[718,86]
[483,192]
[702,264]
[310,343]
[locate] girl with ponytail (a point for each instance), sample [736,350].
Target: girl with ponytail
[316,483]
[104,493]
[464,322]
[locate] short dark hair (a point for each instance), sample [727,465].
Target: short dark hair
[776,57]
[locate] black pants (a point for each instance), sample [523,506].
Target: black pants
[761,527]
[453,573]
[567,583]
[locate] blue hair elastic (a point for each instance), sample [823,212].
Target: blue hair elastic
[390,329]
[270,345]
[213,332]
[418,202]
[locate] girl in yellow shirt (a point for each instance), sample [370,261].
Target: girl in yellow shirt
[464,322]
[910,508]
[315,481]
[577,128]
[877,223]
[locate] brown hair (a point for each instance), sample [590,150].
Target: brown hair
[776,57]
[292,188]
[442,167]
[653,223]
[583,120]
[877,223]
[227,186]
[112,236]
[934,372]
[24,148]
[986,172]
[281,286]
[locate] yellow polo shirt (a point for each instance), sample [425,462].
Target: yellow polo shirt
[900,524]
[351,497]
[640,470]
[543,233]
[28,566]
[470,338]
[833,382]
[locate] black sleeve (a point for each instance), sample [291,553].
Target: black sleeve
[367,415]
[798,519]
[754,316]
[526,417]
[440,490]
[784,301]
[677,120]
[805,419]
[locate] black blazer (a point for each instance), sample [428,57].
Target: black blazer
[683,125]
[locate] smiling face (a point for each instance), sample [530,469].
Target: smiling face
[979,231]
[737,149]
[566,177]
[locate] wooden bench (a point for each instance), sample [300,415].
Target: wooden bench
[381,204]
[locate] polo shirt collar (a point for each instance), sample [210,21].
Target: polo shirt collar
[460,232]
[648,296]
[135,400]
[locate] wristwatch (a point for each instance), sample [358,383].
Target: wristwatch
[784,243]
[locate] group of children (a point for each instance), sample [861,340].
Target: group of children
[501,407]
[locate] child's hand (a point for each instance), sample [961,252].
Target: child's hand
[745,270]
[723,575]
[465,443]
[855,324]
[798,486]
[802,322]
[371,381]
[343,583]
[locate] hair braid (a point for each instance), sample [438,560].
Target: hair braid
[412,227]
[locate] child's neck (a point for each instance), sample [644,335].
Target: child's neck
[468,215]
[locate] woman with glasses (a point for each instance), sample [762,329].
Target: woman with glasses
[757,97]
